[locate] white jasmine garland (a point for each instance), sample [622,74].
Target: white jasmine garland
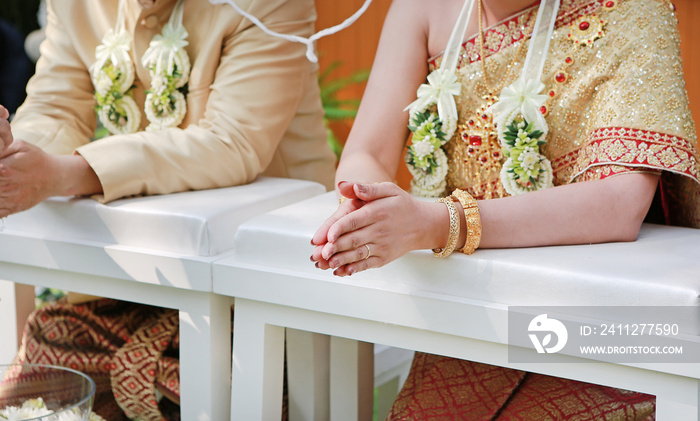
[522,98]
[522,127]
[427,184]
[165,113]
[433,115]
[159,84]
[169,68]
[425,158]
[112,75]
[441,89]
[122,116]
[104,83]
[423,148]
[528,159]
[510,183]
[525,169]
[114,51]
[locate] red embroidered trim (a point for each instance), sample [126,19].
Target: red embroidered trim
[510,30]
[633,148]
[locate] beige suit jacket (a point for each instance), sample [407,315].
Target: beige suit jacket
[253,105]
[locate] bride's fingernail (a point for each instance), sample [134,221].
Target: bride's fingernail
[351,271]
[361,188]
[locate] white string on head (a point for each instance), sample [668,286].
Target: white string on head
[451,56]
[539,43]
[309,42]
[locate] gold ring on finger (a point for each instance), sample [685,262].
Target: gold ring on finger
[369,252]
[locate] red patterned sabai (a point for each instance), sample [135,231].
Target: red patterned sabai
[117,344]
[443,388]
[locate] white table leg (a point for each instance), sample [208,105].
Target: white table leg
[16,302]
[308,377]
[205,355]
[258,365]
[391,367]
[352,379]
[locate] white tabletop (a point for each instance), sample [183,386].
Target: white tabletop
[660,268]
[155,250]
[459,306]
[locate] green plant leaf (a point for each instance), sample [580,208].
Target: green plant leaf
[337,109]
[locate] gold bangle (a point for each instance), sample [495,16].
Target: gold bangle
[472,219]
[454,229]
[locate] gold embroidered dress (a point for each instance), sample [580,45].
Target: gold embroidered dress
[616,103]
[616,97]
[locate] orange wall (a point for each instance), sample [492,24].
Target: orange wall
[688,17]
[356,47]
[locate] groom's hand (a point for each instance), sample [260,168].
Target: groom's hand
[5,131]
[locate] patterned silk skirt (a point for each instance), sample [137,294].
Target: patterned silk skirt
[130,351]
[443,388]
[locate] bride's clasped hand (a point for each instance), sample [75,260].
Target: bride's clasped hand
[376,224]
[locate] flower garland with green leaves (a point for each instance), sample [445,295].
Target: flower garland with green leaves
[113,77]
[425,157]
[520,124]
[433,121]
[521,131]
[433,116]
[525,168]
[169,68]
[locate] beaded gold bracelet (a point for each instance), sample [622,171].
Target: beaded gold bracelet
[454,229]
[472,220]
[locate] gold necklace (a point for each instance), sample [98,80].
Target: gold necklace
[481,150]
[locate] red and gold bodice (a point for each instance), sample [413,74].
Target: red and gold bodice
[616,95]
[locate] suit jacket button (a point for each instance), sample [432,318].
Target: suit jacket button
[150,22]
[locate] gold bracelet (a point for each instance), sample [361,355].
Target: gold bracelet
[454,229]
[472,219]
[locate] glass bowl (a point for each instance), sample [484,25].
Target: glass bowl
[61,393]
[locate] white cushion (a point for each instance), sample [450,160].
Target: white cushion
[199,223]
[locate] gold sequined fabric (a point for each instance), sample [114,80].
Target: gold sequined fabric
[616,103]
[616,96]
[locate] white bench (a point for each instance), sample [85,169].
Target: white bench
[155,250]
[456,307]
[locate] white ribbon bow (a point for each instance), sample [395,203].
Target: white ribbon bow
[441,89]
[115,48]
[522,97]
[164,48]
